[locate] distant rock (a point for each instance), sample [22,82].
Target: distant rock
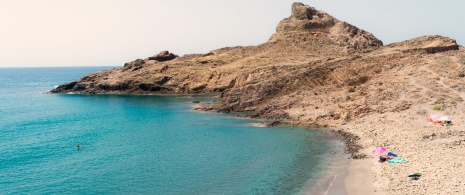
[163,56]
[428,44]
[134,65]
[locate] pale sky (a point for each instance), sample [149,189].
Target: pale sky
[111,32]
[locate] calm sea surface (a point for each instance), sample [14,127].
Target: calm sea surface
[142,144]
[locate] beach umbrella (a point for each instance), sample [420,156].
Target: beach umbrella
[379,151]
[445,118]
[435,117]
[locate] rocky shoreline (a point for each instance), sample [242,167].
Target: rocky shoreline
[350,140]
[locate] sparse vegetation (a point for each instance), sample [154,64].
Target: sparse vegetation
[437,107]
[453,102]
[351,90]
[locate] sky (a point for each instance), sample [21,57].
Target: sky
[58,33]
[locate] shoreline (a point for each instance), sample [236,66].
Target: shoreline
[359,178]
[331,179]
[407,134]
[340,168]
[351,176]
[354,168]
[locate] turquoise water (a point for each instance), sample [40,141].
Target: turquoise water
[141,144]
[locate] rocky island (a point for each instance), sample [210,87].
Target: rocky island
[318,71]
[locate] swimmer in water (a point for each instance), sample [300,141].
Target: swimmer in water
[78,146]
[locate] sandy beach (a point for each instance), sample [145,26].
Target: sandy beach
[359,179]
[433,151]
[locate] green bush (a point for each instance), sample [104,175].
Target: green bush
[437,107]
[453,102]
[351,89]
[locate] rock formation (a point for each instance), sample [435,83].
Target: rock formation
[314,71]
[306,21]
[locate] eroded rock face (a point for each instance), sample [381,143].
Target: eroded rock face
[308,21]
[134,65]
[304,17]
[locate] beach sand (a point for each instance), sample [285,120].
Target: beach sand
[332,180]
[356,179]
[434,151]
[359,179]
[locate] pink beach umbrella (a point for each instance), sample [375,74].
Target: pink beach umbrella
[435,117]
[379,151]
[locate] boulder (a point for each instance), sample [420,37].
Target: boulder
[163,56]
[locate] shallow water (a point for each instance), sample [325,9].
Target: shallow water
[143,144]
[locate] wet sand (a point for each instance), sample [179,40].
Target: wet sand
[359,179]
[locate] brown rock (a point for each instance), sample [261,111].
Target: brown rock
[163,56]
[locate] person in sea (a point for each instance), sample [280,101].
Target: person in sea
[78,146]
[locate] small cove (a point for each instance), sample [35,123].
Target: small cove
[144,144]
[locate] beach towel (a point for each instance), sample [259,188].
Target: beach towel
[397,160]
[392,154]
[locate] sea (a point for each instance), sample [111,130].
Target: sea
[146,144]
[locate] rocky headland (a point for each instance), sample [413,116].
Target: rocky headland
[317,71]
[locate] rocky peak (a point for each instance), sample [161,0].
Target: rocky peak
[305,17]
[301,12]
[307,21]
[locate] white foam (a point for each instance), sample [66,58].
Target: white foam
[331,183]
[257,125]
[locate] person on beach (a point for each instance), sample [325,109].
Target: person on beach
[78,146]
[448,123]
[385,158]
